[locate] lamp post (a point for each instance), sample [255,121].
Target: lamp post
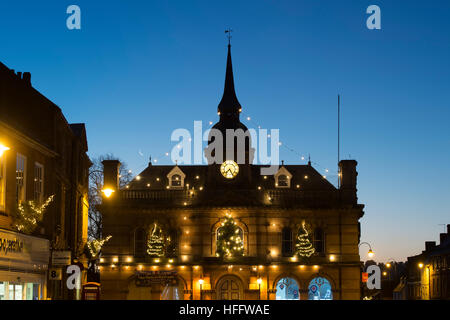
[421,265]
[259,281]
[200,282]
[370,253]
[389,264]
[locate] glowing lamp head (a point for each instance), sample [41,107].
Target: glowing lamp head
[421,265]
[3,149]
[259,281]
[370,253]
[388,265]
[201,281]
[108,192]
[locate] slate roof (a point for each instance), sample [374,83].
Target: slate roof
[196,176]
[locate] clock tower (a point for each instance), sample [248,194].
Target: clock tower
[229,151]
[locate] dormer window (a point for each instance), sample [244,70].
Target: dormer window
[283,181]
[176,178]
[283,178]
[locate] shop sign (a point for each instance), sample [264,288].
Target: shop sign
[61,258]
[10,245]
[55,274]
[148,278]
[365,277]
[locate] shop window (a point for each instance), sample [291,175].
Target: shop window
[320,289]
[287,242]
[287,289]
[139,243]
[319,243]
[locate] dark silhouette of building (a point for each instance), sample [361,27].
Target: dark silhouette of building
[429,272]
[45,156]
[297,235]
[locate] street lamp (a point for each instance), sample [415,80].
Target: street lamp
[370,253]
[3,148]
[108,192]
[259,281]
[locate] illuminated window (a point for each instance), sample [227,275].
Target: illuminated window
[320,289]
[21,176]
[287,289]
[2,182]
[176,178]
[283,178]
[38,182]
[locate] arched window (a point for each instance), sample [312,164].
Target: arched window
[287,289]
[176,180]
[229,240]
[283,181]
[240,233]
[320,289]
[286,242]
[139,242]
[319,241]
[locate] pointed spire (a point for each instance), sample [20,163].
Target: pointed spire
[229,103]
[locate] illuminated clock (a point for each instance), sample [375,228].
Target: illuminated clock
[229,169]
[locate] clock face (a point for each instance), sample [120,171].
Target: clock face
[229,169]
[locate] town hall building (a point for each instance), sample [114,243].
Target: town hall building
[224,231]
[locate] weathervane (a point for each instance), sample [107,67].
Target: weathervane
[229,31]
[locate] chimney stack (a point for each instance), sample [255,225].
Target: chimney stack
[26,77]
[111,174]
[347,178]
[429,245]
[443,237]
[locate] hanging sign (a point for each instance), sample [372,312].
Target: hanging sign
[61,258]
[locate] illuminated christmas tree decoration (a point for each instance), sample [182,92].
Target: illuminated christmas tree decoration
[94,247]
[29,214]
[155,243]
[303,246]
[229,239]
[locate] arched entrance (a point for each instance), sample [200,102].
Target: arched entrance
[287,289]
[230,288]
[320,289]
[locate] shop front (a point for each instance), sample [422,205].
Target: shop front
[23,266]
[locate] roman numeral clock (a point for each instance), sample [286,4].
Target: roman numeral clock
[229,169]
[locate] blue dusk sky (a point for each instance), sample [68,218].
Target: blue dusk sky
[137,70]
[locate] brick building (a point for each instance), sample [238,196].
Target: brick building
[429,272]
[42,155]
[296,234]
